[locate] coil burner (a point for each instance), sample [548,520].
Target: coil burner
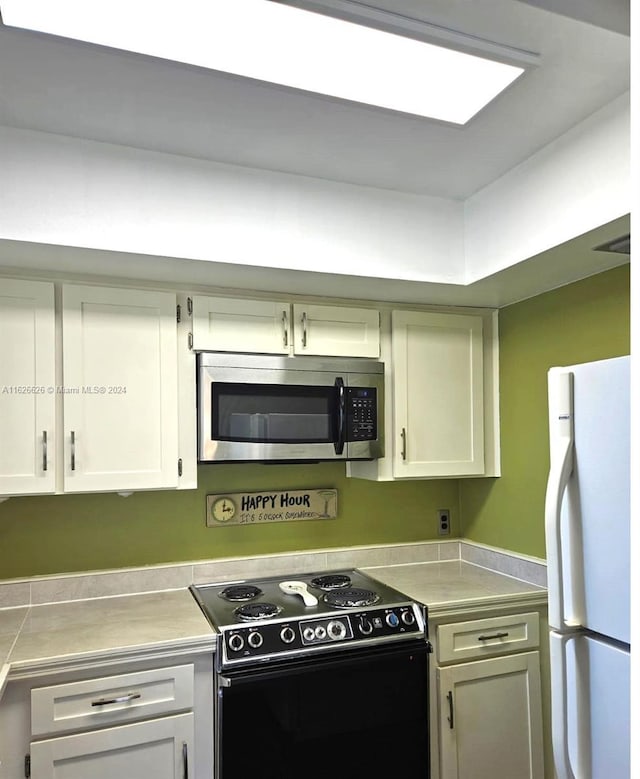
[240,592]
[253,611]
[332,581]
[351,598]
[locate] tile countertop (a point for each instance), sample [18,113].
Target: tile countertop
[61,636]
[455,584]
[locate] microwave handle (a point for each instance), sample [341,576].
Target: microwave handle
[342,423]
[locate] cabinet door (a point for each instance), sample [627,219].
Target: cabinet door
[237,325]
[490,718]
[336,331]
[160,748]
[120,389]
[438,394]
[27,387]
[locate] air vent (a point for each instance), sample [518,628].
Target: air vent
[620,245]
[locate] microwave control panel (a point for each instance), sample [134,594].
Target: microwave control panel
[362,404]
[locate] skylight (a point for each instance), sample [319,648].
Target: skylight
[281,44]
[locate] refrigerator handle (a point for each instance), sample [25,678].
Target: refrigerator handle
[561,465]
[559,705]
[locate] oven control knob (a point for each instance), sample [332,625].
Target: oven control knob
[392,620]
[287,635]
[365,626]
[236,642]
[309,634]
[336,630]
[255,640]
[408,617]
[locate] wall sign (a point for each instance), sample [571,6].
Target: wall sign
[254,508]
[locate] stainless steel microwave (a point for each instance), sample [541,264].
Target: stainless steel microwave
[271,408]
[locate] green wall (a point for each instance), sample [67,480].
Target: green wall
[63,533]
[585,321]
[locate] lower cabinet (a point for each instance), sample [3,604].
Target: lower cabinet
[146,720]
[157,748]
[488,708]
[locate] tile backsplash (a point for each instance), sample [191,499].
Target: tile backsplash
[128,581]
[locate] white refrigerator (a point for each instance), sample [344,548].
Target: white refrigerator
[587,518]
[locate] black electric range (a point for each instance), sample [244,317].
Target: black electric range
[296,615]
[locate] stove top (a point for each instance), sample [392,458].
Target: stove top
[295,615]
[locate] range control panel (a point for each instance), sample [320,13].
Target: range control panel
[246,642]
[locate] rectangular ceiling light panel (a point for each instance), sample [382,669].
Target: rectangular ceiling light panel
[284,45]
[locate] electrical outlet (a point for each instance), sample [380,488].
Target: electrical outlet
[444,526]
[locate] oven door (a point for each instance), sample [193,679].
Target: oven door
[348,715]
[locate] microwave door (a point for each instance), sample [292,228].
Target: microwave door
[268,421]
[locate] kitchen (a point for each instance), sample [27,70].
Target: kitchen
[112,532]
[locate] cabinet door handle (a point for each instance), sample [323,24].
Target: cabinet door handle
[285,330]
[304,329]
[44,450]
[73,450]
[185,760]
[492,636]
[450,717]
[403,435]
[130,696]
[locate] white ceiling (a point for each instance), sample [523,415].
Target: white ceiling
[61,86]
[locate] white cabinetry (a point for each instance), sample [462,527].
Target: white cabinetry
[120,389]
[279,327]
[27,387]
[438,394]
[89,390]
[237,325]
[488,712]
[336,331]
[138,721]
[441,396]
[105,746]
[156,748]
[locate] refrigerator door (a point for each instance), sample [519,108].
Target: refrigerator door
[597,508]
[590,681]
[587,503]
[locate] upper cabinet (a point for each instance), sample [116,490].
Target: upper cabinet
[120,382]
[27,387]
[441,396]
[95,409]
[237,325]
[279,327]
[336,331]
[438,394]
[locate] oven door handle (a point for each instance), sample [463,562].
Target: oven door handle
[310,663]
